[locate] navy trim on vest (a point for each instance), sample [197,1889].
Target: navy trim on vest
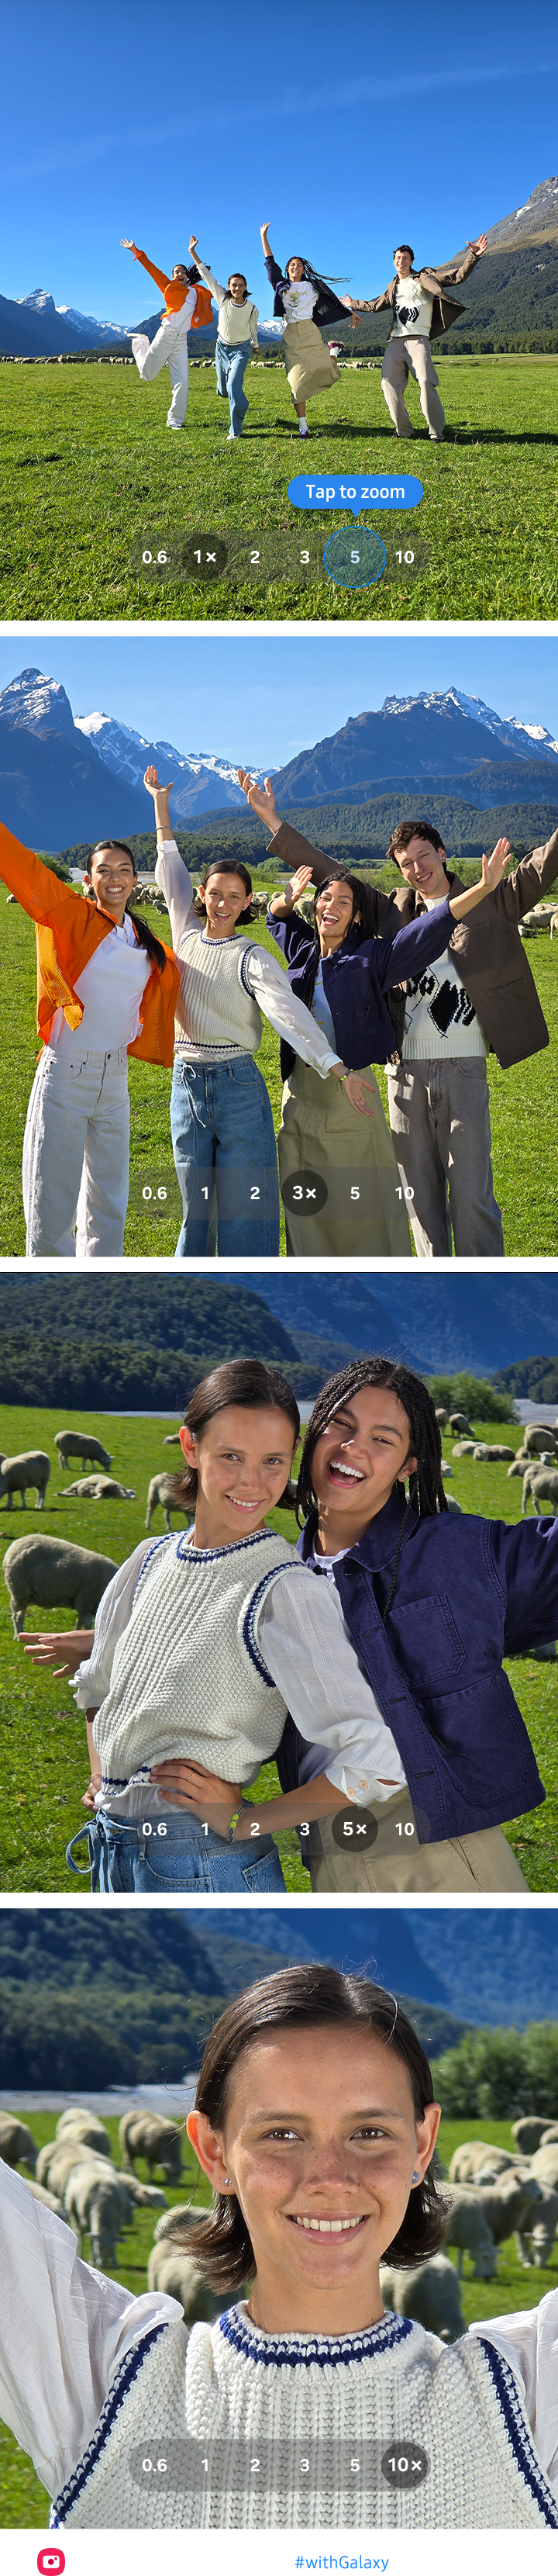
[249,1628]
[246,953]
[156,1543]
[291,2352]
[125,2376]
[518,2433]
[205,1555]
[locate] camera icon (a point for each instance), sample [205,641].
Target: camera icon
[51,2562]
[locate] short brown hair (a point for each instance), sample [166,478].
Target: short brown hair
[309,1996]
[402,246]
[406,832]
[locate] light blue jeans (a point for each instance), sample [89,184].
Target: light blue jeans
[230,365]
[125,1862]
[225,1155]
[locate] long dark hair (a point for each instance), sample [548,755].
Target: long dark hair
[227,868]
[426,1491]
[312,274]
[363,902]
[146,938]
[319,1998]
[248,1382]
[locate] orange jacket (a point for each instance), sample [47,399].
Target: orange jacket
[175,293]
[69,928]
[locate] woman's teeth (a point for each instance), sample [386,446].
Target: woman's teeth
[337,1468]
[328,2226]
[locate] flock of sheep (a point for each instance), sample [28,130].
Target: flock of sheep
[57,1575]
[490,2195]
[53,1572]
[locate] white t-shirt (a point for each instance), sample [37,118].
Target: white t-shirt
[320,1009]
[299,301]
[110,988]
[439,1017]
[412,310]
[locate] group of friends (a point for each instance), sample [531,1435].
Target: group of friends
[366,1660]
[425,980]
[304,305]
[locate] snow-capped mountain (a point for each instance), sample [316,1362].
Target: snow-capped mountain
[84,326]
[203,781]
[520,737]
[538,215]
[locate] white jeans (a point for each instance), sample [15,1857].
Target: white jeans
[168,349]
[76,1156]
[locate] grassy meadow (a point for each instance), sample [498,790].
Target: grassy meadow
[43,1762]
[23,2501]
[523,1107]
[90,472]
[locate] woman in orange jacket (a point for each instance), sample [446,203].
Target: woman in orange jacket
[187,305]
[106,989]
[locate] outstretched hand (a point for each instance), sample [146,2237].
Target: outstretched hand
[193,243]
[479,245]
[297,884]
[493,868]
[264,229]
[261,799]
[126,245]
[153,784]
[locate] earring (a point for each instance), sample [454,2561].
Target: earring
[416,2177]
[227,2179]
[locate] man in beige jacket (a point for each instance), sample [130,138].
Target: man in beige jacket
[420,311]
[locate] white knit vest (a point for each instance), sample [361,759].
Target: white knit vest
[188,1678]
[219,1010]
[241,2396]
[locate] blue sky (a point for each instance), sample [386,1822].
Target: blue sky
[348,133]
[263,698]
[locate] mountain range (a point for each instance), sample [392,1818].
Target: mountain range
[33,326]
[488,1967]
[441,744]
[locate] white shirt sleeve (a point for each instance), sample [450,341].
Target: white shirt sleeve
[218,292]
[268,983]
[63,2330]
[529,2342]
[172,874]
[92,1679]
[306,1646]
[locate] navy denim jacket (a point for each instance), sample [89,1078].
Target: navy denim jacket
[356,977]
[468,1592]
[327,307]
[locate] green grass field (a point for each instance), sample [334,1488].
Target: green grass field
[43,1764]
[23,2501]
[523,1105]
[90,470]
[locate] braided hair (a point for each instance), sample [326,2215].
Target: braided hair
[426,1492]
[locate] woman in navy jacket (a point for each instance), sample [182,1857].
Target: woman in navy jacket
[417,1722]
[343,974]
[304,301]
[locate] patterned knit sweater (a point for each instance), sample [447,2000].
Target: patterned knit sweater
[305,2408]
[188,1677]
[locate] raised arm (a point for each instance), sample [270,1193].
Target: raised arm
[40,893]
[219,292]
[171,872]
[157,273]
[492,872]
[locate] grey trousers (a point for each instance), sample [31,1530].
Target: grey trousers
[398,1865]
[404,358]
[439,1114]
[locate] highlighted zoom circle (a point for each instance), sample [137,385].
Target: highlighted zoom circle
[354,558]
[354,1829]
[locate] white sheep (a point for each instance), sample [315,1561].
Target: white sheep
[80,1444]
[430,2293]
[538,1436]
[492,1453]
[171,2268]
[97,2202]
[535,2241]
[76,2122]
[442,1417]
[540,1486]
[472,2154]
[57,2160]
[49,2199]
[467,2228]
[100,1489]
[161,1492]
[545,2164]
[159,2141]
[463,1448]
[458,1422]
[17,2145]
[529,2132]
[57,1576]
[31,1468]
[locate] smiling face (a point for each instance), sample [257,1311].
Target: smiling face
[111,879]
[238,288]
[295,270]
[423,867]
[181,274]
[243,1460]
[402,262]
[224,896]
[320,2142]
[334,914]
[366,1446]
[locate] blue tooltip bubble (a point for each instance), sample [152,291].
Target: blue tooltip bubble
[355,492]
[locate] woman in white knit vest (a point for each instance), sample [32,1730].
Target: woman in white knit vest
[315,2123]
[237,337]
[221,1121]
[180,1690]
